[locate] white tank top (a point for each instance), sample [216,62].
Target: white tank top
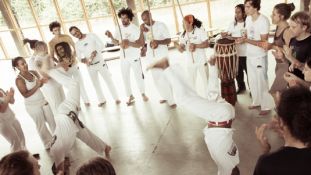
[8,113]
[37,98]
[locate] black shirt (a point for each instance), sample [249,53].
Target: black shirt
[285,161]
[301,51]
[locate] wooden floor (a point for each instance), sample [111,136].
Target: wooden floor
[147,138]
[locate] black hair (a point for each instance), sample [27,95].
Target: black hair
[241,7]
[15,61]
[308,62]
[53,25]
[254,3]
[126,11]
[32,43]
[196,23]
[97,166]
[294,110]
[73,27]
[66,47]
[285,9]
[16,163]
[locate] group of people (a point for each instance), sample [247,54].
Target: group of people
[53,66]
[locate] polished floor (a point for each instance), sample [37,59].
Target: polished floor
[148,138]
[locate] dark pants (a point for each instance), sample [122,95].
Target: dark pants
[240,76]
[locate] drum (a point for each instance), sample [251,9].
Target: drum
[227,62]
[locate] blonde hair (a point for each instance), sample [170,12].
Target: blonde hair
[41,48]
[302,18]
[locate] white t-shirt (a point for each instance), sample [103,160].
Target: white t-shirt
[131,33]
[160,32]
[87,45]
[197,36]
[236,31]
[254,30]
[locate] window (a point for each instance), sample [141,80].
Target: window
[22,13]
[73,13]
[96,8]
[45,11]
[3,25]
[193,9]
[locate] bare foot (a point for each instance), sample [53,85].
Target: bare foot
[145,98]
[131,100]
[264,112]
[87,104]
[253,107]
[107,151]
[118,102]
[173,106]
[101,104]
[162,101]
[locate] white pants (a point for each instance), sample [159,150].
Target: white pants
[186,97]
[42,114]
[201,70]
[135,64]
[213,80]
[67,130]
[102,69]
[258,82]
[162,85]
[222,148]
[11,130]
[61,76]
[53,93]
[218,140]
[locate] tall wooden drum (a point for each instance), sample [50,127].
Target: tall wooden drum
[227,62]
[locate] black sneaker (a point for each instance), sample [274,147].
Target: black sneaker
[240,90]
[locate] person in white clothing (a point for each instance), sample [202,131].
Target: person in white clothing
[68,127]
[41,62]
[257,27]
[157,48]
[130,40]
[10,128]
[236,30]
[88,49]
[194,41]
[218,113]
[28,84]
[69,66]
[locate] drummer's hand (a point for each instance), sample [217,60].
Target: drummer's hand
[291,79]
[212,60]
[181,48]
[192,47]
[143,28]
[223,34]
[265,45]
[240,40]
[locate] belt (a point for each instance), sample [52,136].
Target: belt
[95,63]
[75,118]
[222,124]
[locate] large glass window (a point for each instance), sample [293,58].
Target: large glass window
[71,10]
[222,12]
[9,44]
[193,9]
[297,4]
[102,25]
[3,25]
[22,13]
[45,11]
[96,8]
